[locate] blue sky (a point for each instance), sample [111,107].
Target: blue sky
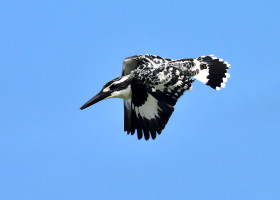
[55,55]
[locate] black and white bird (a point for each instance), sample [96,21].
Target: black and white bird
[151,85]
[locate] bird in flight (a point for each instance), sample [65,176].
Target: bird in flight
[151,85]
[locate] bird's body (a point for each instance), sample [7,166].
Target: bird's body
[151,85]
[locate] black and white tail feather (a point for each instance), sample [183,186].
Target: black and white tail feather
[151,85]
[214,73]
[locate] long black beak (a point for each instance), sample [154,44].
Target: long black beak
[100,96]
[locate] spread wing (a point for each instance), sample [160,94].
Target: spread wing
[148,112]
[150,107]
[131,121]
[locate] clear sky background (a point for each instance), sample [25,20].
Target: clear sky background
[220,145]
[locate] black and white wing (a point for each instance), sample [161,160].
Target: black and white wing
[152,103]
[131,120]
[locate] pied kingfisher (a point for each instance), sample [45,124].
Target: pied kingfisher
[151,85]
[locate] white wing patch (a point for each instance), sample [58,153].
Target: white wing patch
[149,109]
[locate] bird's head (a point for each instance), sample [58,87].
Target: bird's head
[116,88]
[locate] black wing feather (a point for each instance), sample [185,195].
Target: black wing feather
[150,108]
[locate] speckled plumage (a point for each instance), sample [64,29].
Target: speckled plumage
[151,85]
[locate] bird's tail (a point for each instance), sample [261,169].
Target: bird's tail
[213,71]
